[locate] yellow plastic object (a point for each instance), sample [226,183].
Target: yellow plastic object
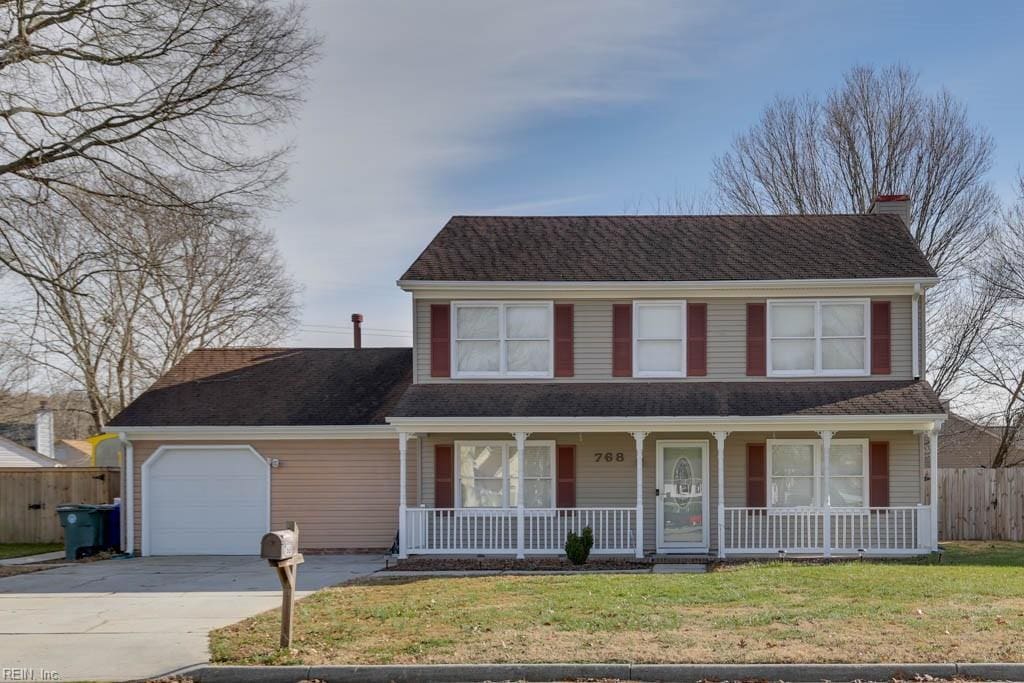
[106,450]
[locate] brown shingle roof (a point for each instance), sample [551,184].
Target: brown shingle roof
[670,248]
[274,387]
[669,399]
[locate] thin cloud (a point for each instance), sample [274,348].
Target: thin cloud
[409,92]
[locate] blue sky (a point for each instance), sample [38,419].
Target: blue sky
[423,110]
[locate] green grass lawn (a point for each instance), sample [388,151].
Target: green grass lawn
[968,608]
[22,549]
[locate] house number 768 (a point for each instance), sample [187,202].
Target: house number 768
[609,457]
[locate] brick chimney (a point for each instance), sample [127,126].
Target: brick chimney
[44,430]
[898,204]
[357,331]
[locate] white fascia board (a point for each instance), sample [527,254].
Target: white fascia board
[140,433]
[667,424]
[448,289]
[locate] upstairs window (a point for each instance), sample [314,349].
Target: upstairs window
[659,339]
[827,337]
[502,339]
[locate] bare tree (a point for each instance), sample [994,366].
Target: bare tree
[179,281]
[998,366]
[117,100]
[876,134]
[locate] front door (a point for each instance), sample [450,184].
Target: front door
[682,496]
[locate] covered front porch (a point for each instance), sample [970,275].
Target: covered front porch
[842,486]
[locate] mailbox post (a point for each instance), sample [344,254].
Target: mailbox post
[281,550]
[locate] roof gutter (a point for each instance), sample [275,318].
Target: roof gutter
[251,433]
[698,423]
[602,286]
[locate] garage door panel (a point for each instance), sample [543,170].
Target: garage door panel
[203,500]
[236,490]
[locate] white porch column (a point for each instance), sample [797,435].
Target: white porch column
[933,442]
[826,452]
[639,437]
[521,495]
[720,438]
[403,538]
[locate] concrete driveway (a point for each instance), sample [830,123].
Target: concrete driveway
[138,618]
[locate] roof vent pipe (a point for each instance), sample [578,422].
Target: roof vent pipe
[357,332]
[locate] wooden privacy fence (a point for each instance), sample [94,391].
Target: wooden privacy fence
[977,504]
[29,497]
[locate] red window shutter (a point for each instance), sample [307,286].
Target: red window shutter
[757,476]
[564,365]
[878,472]
[565,474]
[622,340]
[440,340]
[696,340]
[444,476]
[881,333]
[757,348]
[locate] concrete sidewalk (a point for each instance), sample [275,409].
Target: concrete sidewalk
[32,559]
[137,618]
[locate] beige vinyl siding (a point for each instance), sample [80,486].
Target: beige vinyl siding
[727,338]
[613,484]
[342,492]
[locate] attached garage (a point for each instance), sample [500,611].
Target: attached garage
[204,500]
[233,442]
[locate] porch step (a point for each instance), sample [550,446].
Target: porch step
[678,568]
[681,559]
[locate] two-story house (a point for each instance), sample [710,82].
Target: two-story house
[724,385]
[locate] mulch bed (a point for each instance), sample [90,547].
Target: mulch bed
[434,564]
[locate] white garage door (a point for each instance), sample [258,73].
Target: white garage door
[205,501]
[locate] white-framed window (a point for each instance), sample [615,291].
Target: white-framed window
[488,474]
[502,339]
[796,473]
[823,337]
[659,338]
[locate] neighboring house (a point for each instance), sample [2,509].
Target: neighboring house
[21,433]
[964,443]
[74,453]
[732,385]
[14,454]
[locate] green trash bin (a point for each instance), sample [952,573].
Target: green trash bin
[83,529]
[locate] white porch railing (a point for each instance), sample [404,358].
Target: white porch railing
[493,531]
[873,531]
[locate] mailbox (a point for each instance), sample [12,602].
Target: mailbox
[279,545]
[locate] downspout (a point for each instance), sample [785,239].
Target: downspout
[915,334]
[129,494]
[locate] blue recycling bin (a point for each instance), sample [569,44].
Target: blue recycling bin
[111,525]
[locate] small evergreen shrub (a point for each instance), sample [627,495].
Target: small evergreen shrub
[577,546]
